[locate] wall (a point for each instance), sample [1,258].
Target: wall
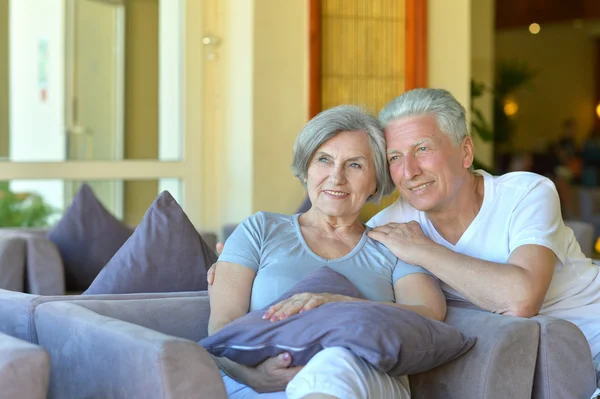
[141,100]
[280,101]
[482,68]
[4,103]
[449,47]
[564,87]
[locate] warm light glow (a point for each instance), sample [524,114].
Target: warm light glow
[534,28]
[598,111]
[510,108]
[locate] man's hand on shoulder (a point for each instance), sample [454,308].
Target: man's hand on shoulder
[210,274]
[406,240]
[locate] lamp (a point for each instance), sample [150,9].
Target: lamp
[510,107]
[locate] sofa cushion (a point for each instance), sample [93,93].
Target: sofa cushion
[164,254]
[87,236]
[392,339]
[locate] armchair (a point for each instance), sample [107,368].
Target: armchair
[27,255]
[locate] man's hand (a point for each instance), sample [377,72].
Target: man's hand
[273,374]
[210,274]
[406,240]
[299,303]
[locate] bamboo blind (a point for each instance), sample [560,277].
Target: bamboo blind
[362,58]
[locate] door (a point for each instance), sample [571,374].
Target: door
[95,38]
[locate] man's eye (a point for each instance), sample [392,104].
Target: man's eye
[421,149]
[394,158]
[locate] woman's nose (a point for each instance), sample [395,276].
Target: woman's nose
[337,176]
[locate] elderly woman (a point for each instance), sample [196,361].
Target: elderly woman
[339,156]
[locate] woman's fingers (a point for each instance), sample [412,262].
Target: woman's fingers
[296,304]
[312,303]
[273,309]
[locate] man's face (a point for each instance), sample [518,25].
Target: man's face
[426,168]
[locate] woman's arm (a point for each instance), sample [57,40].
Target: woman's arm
[422,294]
[229,300]
[229,295]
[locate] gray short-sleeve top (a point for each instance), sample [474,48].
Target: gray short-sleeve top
[272,246]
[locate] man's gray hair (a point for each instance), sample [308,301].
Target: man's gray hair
[449,113]
[329,123]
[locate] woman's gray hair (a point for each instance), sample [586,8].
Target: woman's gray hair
[449,113]
[329,123]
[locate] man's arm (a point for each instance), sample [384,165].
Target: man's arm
[516,288]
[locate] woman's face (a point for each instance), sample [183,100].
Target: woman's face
[341,175]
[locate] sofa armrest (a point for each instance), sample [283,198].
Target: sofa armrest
[97,356]
[185,317]
[17,309]
[45,270]
[564,367]
[24,369]
[12,263]
[500,365]
[14,311]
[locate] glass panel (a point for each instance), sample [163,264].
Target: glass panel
[35,203]
[80,80]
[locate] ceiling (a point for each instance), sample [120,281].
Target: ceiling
[519,13]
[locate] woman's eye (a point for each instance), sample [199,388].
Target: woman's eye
[322,159]
[355,165]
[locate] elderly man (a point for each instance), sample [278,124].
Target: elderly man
[498,242]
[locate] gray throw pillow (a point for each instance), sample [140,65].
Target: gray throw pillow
[393,340]
[164,254]
[87,236]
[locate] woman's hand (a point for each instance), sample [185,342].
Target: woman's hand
[272,375]
[300,303]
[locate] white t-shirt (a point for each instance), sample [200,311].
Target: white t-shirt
[522,208]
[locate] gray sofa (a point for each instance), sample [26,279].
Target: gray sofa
[513,358]
[30,262]
[24,369]
[17,309]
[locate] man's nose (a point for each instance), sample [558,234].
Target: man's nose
[411,167]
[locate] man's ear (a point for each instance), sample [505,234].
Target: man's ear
[468,152]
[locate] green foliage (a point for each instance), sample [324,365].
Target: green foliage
[510,77]
[22,209]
